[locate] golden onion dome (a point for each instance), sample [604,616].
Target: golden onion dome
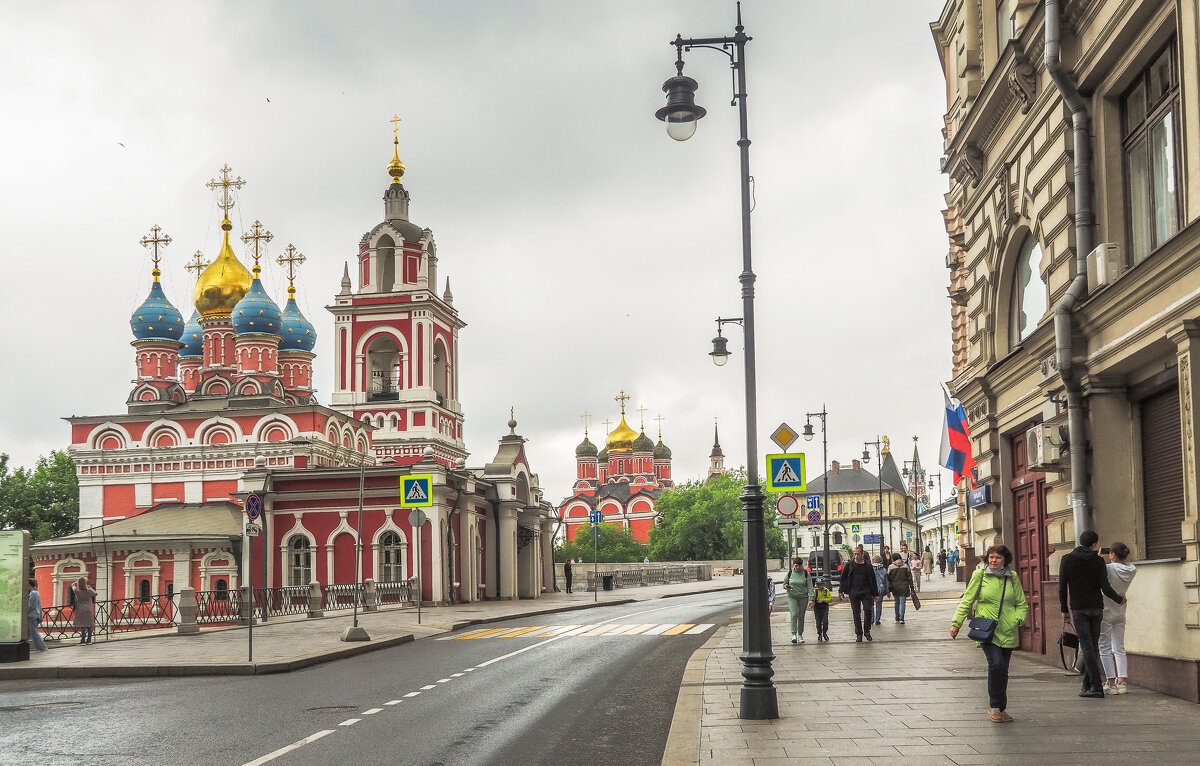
[224,283]
[621,437]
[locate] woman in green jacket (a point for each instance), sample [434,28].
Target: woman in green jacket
[798,585]
[988,586]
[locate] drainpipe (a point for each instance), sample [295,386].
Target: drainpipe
[1077,290]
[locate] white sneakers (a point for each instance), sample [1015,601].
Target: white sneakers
[795,639]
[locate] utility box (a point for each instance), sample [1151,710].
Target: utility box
[1103,266]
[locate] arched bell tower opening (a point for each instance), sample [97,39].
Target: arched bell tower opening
[385,251]
[385,368]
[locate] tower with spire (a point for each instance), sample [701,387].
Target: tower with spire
[716,458]
[395,340]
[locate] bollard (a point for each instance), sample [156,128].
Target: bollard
[370,597]
[316,605]
[187,613]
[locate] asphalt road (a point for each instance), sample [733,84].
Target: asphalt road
[522,699]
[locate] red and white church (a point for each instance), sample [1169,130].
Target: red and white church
[223,405]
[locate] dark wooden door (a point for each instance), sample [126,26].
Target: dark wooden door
[1029,544]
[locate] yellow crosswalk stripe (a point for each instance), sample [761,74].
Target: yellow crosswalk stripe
[675,631]
[482,633]
[518,631]
[600,630]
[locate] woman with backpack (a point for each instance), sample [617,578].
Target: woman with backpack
[797,583]
[900,583]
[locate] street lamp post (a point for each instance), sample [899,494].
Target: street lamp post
[866,456]
[758,695]
[808,435]
[941,533]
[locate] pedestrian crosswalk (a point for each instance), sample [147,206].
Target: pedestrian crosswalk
[590,631]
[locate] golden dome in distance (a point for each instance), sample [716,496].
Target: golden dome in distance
[621,437]
[223,283]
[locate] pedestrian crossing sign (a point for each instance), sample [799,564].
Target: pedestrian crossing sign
[416,491]
[785,472]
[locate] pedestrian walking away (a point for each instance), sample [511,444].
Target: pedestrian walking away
[797,583]
[995,593]
[35,616]
[952,559]
[927,562]
[821,599]
[1082,586]
[882,584]
[858,582]
[567,574]
[900,584]
[84,610]
[942,561]
[1112,623]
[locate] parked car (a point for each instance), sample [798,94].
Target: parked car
[816,562]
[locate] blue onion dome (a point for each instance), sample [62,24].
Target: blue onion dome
[193,337]
[661,451]
[156,317]
[298,333]
[643,443]
[585,448]
[256,312]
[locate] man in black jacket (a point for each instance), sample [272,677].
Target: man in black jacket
[858,580]
[1082,585]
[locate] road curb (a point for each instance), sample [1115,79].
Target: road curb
[683,741]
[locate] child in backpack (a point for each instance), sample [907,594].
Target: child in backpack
[822,597]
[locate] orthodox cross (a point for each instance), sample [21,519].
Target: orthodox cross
[197,263]
[586,417]
[395,126]
[257,234]
[642,413]
[226,202]
[292,259]
[622,398]
[660,419]
[607,423]
[154,240]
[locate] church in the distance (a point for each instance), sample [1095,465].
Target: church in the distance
[223,405]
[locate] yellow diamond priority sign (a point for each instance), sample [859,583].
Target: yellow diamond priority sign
[784,436]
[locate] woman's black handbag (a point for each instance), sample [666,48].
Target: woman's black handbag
[982,629]
[1068,650]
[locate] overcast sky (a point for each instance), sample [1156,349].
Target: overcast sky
[587,251]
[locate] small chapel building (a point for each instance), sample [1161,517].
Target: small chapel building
[223,406]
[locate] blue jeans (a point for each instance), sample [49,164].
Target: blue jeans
[1087,627]
[997,678]
[878,608]
[901,602]
[35,635]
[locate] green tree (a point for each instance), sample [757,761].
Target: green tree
[702,521]
[45,500]
[616,545]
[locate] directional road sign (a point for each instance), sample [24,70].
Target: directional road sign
[416,491]
[813,502]
[814,517]
[785,472]
[253,506]
[787,505]
[873,539]
[788,522]
[784,436]
[595,516]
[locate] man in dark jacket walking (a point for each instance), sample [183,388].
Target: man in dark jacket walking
[858,580]
[1082,585]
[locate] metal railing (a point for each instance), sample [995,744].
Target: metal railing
[390,593]
[278,602]
[218,607]
[115,616]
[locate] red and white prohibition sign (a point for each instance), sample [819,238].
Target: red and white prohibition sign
[787,505]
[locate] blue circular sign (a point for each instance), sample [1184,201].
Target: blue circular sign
[814,517]
[253,506]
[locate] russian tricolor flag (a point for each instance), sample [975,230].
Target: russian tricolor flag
[956,439]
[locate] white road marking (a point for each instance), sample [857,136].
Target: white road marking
[427,688]
[393,702]
[576,632]
[468,670]
[456,675]
[443,680]
[700,629]
[349,722]
[411,694]
[657,629]
[288,748]
[373,711]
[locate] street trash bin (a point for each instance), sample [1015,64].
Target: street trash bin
[608,581]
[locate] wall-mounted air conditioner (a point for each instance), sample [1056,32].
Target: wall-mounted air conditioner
[1041,448]
[1103,266]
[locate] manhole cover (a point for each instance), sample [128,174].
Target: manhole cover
[332,709]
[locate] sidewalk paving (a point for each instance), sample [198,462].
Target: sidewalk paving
[913,695]
[285,644]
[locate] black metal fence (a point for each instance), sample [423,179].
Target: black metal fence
[115,616]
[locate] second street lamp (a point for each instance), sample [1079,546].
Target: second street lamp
[878,445]
[808,436]
[759,700]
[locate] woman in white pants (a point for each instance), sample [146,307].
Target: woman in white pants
[1112,624]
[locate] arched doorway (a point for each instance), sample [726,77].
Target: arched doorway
[1029,539]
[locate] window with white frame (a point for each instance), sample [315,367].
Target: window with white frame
[299,561]
[1150,122]
[1030,299]
[391,558]
[1006,26]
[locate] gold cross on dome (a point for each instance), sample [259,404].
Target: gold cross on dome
[660,420]
[154,240]
[642,413]
[622,398]
[607,423]
[197,263]
[226,202]
[257,234]
[395,126]
[587,418]
[292,259]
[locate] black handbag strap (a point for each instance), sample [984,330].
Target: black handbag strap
[1002,591]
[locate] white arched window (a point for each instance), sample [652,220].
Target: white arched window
[1030,300]
[391,558]
[299,561]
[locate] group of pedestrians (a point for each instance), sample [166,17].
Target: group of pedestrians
[1091,597]
[947,560]
[83,612]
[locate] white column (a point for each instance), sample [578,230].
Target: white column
[508,551]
